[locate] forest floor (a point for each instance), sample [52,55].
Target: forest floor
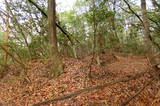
[37,87]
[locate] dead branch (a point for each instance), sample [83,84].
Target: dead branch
[136,94]
[77,92]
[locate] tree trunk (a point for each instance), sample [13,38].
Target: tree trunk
[113,23]
[57,65]
[96,36]
[6,34]
[145,22]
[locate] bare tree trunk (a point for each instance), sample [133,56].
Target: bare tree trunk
[57,66]
[6,34]
[74,51]
[113,23]
[145,22]
[96,36]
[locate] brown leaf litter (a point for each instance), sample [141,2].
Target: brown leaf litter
[38,87]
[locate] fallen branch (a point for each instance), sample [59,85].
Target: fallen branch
[75,93]
[135,95]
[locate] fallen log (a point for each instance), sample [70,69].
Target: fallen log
[136,94]
[77,92]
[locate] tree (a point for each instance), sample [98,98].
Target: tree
[6,35]
[155,3]
[145,21]
[57,65]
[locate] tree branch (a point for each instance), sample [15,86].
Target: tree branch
[155,3]
[149,18]
[135,95]
[150,37]
[130,8]
[45,14]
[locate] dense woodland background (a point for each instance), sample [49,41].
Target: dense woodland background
[93,33]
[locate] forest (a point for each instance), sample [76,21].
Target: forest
[79,53]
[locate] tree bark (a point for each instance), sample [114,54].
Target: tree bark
[145,22]
[6,34]
[95,34]
[113,22]
[57,65]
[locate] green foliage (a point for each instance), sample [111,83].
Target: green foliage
[100,14]
[39,46]
[18,50]
[31,26]
[132,46]
[1,35]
